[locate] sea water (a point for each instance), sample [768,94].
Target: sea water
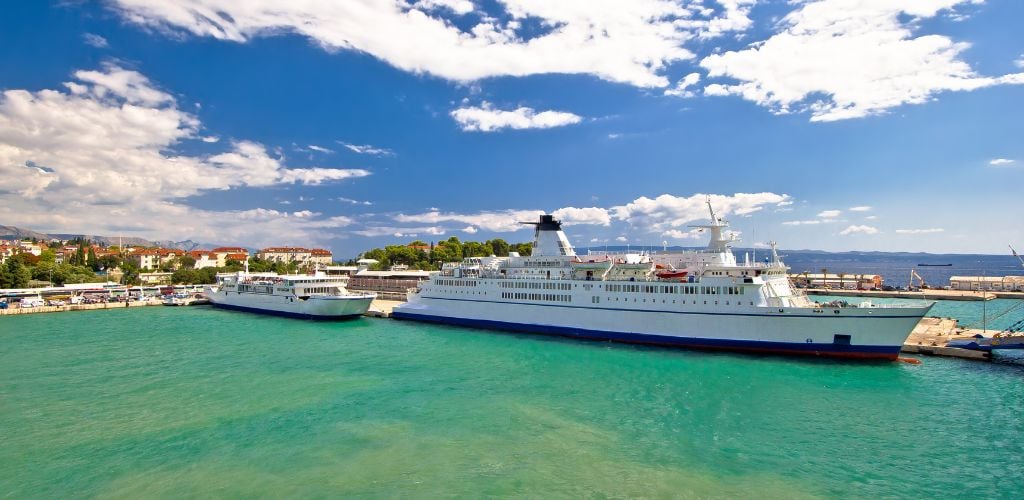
[177,402]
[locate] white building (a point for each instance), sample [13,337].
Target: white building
[990,283]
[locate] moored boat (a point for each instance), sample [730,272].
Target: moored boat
[719,303]
[315,296]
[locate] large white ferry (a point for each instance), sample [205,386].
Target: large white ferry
[316,296]
[701,299]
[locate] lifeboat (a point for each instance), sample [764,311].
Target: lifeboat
[671,274]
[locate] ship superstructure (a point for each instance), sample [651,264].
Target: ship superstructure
[315,296]
[703,299]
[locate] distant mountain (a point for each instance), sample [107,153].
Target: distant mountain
[17,233]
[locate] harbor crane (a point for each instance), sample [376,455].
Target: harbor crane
[1017,256]
[910,282]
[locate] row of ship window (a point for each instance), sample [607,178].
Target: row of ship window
[535,285]
[550,297]
[678,289]
[456,283]
[628,288]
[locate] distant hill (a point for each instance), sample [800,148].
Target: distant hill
[17,233]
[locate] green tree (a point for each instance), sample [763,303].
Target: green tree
[499,247]
[187,261]
[93,262]
[48,255]
[524,249]
[475,249]
[131,274]
[15,274]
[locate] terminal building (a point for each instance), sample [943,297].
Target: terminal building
[987,283]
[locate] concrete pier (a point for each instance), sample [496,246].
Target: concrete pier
[931,335]
[77,307]
[381,308]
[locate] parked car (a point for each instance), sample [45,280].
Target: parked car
[32,302]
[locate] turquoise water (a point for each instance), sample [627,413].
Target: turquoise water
[178,402]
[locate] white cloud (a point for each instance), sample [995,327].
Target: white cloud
[320,149]
[100,158]
[461,7]
[1019,62]
[470,230]
[829,214]
[621,239]
[1001,162]
[668,211]
[862,208]
[590,215]
[801,222]
[628,41]
[858,230]
[366,149]
[682,87]
[486,118]
[498,221]
[354,202]
[400,232]
[840,59]
[95,40]
[871,217]
[210,139]
[682,235]
[920,231]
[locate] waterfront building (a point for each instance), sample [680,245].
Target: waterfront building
[296,254]
[224,254]
[989,283]
[837,280]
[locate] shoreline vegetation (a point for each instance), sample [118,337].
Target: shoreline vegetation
[91,262]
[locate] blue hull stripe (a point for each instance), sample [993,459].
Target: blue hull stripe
[705,313]
[284,314]
[832,350]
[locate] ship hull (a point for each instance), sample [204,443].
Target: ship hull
[315,307]
[878,334]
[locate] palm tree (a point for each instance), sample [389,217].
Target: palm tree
[824,277]
[841,276]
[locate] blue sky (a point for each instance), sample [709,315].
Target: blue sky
[828,124]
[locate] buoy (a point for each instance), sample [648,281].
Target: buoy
[912,361]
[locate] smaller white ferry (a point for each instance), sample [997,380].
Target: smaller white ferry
[315,296]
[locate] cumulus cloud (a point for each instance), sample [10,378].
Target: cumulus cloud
[100,158]
[829,214]
[1001,162]
[485,118]
[858,230]
[399,232]
[590,215]
[628,41]
[840,59]
[497,221]
[862,208]
[683,235]
[682,88]
[801,222]
[470,230]
[366,149]
[669,212]
[920,231]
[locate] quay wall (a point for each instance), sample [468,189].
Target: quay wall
[75,307]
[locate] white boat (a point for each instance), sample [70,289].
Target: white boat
[316,296]
[718,304]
